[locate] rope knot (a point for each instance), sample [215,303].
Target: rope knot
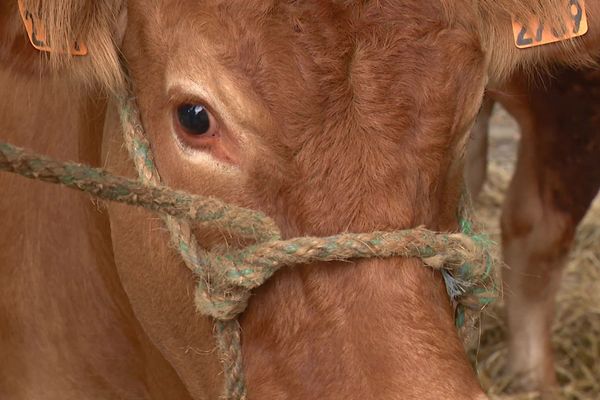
[222,306]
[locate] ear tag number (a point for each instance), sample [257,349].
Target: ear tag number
[36,30]
[536,33]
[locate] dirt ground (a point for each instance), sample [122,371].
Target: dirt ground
[576,332]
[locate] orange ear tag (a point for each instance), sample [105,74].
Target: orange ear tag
[36,31]
[536,33]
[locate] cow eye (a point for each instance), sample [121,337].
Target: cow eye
[195,126]
[195,120]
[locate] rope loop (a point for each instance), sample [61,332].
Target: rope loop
[235,274]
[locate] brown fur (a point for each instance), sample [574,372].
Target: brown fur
[66,327]
[342,116]
[95,23]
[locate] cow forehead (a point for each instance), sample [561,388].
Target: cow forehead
[315,26]
[300,58]
[308,38]
[320,9]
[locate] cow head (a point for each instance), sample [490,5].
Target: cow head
[328,116]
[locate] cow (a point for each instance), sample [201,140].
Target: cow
[328,116]
[556,179]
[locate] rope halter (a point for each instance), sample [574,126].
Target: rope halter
[225,279]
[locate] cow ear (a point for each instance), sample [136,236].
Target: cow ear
[74,38]
[532,35]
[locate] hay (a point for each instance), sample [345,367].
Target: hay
[576,331]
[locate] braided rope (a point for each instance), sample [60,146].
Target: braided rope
[226,279]
[226,332]
[98,182]
[464,256]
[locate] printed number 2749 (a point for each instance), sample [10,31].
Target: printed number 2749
[575,24]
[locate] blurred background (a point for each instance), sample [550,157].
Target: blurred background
[576,332]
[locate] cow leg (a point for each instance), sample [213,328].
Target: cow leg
[556,179]
[536,237]
[477,149]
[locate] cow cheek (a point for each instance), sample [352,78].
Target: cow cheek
[159,287]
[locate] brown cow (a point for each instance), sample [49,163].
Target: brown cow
[328,116]
[556,179]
